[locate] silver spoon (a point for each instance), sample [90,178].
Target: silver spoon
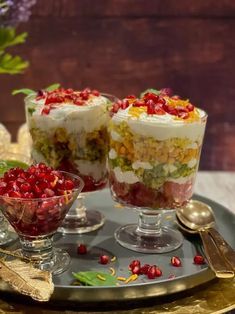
[198,217]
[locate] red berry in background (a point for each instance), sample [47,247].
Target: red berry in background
[175,261]
[199,260]
[104,259]
[81,249]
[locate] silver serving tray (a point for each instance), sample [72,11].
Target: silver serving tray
[103,242]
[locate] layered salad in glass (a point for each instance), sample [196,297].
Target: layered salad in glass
[155,144]
[69,132]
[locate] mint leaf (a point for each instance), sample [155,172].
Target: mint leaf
[9,38]
[52,87]
[25,91]
[12,65]
[89,278]
[150,90]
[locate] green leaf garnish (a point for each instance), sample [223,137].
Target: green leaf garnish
[93,278]
[28,91]
[5,165]
[150,90]
[11,64]
[9,38]
[52,87]
[25,91]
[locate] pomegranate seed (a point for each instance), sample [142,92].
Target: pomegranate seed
[139,103]
[152,272]
[135,270]
[166,91]
[125,104]
[190,107]
[134,263]
[175,261]
[15,194]
[78,102]
[104,259]
[25,187]
[46,110]
[49,192]
[131,97]
[183,115]
[158,272]
[81,249]
[69,185]
[151,96]
[199,260]
[144,269]
[95,92]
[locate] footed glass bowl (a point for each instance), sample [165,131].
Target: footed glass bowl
[36,220]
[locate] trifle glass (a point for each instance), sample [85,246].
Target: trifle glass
[155,145]
[69,132]
[35,202]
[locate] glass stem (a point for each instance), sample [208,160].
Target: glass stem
[39,249]
[149,223]
[78,209]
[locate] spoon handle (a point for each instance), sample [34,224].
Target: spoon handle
[219,265]
[223,246]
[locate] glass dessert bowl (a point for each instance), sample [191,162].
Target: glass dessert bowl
[69,132]
[9,160]
[35,202]
[155,145]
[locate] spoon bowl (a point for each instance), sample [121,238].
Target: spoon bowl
[196,215]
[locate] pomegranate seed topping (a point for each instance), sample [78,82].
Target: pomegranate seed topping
[183,115]
[139,103]
[95,92]
[81,249]
[131,97]
[46,110]
[151,96]
[190,107]
[104,259]
[175,261]
[199,260]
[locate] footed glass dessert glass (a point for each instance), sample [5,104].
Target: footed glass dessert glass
[155,145]
[7,161]
[69,132]
[35,220]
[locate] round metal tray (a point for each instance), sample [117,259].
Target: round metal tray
[103,242]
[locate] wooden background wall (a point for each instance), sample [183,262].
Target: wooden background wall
[126,46]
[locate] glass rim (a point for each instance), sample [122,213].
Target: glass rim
[24,199]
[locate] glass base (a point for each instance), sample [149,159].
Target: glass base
[91,221]
[166,240]
[6,237]
[56,263]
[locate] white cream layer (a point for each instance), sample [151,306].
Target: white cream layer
[71,117]
[162,127]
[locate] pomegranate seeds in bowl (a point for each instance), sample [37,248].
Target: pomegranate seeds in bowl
[35,202]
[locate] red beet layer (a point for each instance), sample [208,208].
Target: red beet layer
[169,196]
